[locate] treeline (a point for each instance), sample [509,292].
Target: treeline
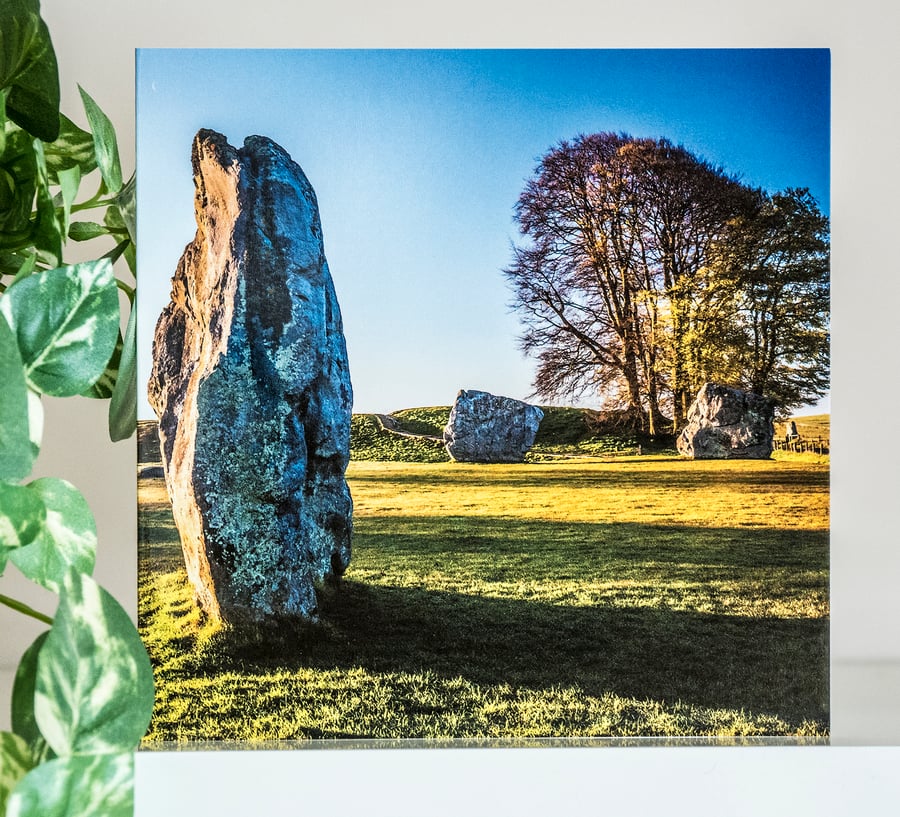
[646,272]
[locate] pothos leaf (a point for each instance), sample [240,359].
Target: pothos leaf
[77,786]
[48,233]
[123,405]
[28,69]
[67,540]
[16,453]
[69,179]
[125,204]
[18,183]
[23,720]
[94,684]
[22,518]
[66,322]
[106,149]
[86,230]
[15,762]
[73,147]
[103,388]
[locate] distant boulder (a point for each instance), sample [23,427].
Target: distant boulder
[725,423]
[486,428]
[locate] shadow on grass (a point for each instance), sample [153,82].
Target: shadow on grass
[774,666]
[760,663]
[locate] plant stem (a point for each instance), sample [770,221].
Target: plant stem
[24,608]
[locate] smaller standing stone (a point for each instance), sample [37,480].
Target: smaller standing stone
[486,428]
[725,423]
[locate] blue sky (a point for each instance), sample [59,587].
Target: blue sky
[417,158]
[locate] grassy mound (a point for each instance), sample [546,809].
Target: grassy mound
[564,432]
[369,441]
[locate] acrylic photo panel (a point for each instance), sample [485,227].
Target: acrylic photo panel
[484,395]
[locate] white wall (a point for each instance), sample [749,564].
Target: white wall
[95,41]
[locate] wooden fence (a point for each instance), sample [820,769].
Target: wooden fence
[816,445]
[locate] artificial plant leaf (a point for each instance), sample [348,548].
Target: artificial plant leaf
[18,183]
[123,405]
[125,206]
[67,541]
[106,149]
[115,220]
[94,685]
[103,388]
[69,179]
[95,785]
[15,762]
[131,257]
[73,147]
[28,69]
[23,720]
[35,421]
[66,322]
[2,122]
[47,233]
[22,519]
[86,230]
[16,452]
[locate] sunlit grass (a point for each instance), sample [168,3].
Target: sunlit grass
[642,596]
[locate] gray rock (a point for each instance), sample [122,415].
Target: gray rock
[252,389]
[486,428]
[726,423]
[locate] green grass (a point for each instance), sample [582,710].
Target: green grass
[810,426]
[427,420]
[368,441]
[641,596]
[564,432]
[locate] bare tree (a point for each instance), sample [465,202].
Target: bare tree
[619,231]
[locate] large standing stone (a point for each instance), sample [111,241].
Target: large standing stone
[726,423]
[251,385]
[486,428]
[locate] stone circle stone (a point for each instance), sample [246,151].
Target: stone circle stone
[252,388]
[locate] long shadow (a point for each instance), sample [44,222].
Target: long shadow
[762,664]
[772,666]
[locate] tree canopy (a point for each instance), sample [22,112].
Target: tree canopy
[646,271]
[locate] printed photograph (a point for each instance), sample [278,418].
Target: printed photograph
[484,395]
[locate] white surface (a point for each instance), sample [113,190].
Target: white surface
[95,41]
[637,782]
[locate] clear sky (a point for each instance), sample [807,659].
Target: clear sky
[418,157]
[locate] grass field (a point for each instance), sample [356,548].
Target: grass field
[580,597]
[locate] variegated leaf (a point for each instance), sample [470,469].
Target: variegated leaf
[103,388]
[94,684]
[69,181]
[106,149]
[28,69]
[123,405]
[23,720]
[73,147]
[95,785]
[126,203]
[15,763]
[16,453]
[22,518]
[67,540]
[66,322]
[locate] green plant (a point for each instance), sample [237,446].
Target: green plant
[83,692]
